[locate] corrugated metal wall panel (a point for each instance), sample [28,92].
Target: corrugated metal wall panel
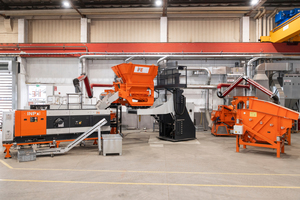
[9,37]
[204,30]
[48,31]
[127,30]
[252,30]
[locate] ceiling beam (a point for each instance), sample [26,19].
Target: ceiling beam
[5,6]
[4,16]
[74,7]
[82,4]
[260,3]
[165,7]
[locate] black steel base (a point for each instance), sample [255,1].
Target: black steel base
[174,140]
[177,127]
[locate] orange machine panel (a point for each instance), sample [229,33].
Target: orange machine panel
[30,122]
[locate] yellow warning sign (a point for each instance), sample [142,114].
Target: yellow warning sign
[253,114]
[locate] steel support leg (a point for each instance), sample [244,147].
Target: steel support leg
[237,144]
[288,137]
[278,149]
[282,148]
[7,147]
[99,139]
[95,142]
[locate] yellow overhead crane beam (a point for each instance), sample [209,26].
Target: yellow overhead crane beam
[286,32]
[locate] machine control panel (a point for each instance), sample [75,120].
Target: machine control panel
[238,129]
[8,126]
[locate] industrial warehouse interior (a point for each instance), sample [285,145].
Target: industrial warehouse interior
[150,99]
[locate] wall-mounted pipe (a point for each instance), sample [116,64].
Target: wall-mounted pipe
[260,24]
[207,115]
[202,69]
[161,59]
[256,24]
[250,66]
[129,59]
[270,20]
[264,30]
[195,86]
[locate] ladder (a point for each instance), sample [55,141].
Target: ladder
[76,141]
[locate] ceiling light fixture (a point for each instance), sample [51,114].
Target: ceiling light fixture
[254,2]
[158,2]
[66,4]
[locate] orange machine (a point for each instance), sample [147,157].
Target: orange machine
[30,122]
[135,84]
[223,120]
[262,124]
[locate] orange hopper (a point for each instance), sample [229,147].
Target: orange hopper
[135,84]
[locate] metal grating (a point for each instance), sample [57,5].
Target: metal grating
[5,93]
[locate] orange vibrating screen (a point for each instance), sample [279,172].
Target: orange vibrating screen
[135,84]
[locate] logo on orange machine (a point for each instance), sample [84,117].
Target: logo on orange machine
[144,70]
[33,113]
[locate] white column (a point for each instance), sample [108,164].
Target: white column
[22,30]
[8,25]
[259,28]
[163,29]
[265,25]
[22,87]
[84,30]
[246,29]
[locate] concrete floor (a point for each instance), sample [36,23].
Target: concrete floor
[207,168]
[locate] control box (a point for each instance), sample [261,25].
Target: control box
[238,129]
[8,126]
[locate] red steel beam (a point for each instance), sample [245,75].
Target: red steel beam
[197,48]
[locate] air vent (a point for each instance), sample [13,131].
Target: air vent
[3,67]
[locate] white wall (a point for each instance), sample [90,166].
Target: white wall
[58,71]
[50,31]
[125,30]
[8,36]
[61,71]
[129,30]
[204,30]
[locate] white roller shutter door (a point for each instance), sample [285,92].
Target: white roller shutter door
[5,88]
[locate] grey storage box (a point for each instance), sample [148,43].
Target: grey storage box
[25,155]
[112,144]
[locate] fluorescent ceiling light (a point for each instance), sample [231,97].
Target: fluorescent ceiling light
[158,2]
[66,4]
[254,2]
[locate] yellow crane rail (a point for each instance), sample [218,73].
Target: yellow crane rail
[286,32]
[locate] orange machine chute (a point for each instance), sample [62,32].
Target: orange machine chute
[135,84]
